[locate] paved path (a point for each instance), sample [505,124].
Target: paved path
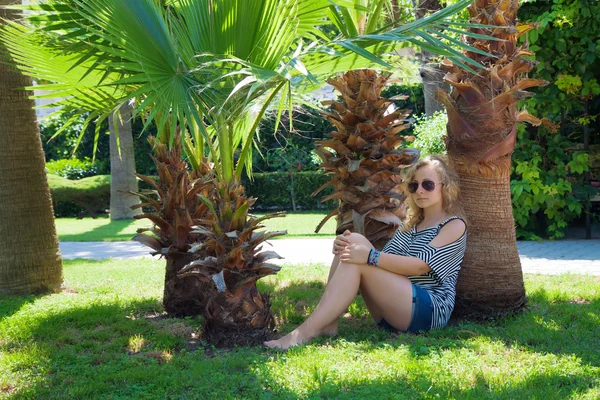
[576,256]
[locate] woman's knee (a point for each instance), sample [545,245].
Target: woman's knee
[358,238]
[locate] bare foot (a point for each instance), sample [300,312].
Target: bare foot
[293,338]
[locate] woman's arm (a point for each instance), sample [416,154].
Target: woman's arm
[403,265]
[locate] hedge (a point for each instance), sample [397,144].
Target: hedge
[273,190]
[91,196]
[84,197]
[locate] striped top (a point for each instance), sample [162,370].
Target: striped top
[444,262]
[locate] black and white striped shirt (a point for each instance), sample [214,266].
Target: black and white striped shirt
[444,262]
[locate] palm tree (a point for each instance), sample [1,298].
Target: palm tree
[363,157]
[206,70]
[30,261]
[122,166]
[482,118]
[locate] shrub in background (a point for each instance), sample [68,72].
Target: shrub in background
[429,133]
[72,168]
[274,190]
[415,100]
[85,197]
[63,146]
[547,187]
[550,175]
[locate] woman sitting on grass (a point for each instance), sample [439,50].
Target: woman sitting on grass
[410,286]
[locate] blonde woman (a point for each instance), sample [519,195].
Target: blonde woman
[410,286]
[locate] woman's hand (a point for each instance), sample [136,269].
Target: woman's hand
[340,242]
[355,254]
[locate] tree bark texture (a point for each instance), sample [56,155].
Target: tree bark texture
[30,259]
[491,279]
[122,168]
[184,296]
[430,72]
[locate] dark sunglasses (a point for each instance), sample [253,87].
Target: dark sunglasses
[426,184]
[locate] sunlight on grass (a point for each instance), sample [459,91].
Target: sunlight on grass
[105,336]
[97,230]
[298,225]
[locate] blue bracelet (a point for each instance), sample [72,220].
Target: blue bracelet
[373,258]
[376,255]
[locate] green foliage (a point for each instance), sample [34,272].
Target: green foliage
[547,185]
[72,168]
[91,196]
[281,150]
[429,133]
[568,55]
[87,196]
[416,97]
[549,180]
[63,146]
[273,190]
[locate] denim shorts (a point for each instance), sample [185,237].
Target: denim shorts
[422,312]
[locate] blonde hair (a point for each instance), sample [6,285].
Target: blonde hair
[450,190]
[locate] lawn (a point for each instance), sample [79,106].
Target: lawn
[104,336]
[298,225]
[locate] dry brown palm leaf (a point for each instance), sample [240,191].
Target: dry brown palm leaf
[230,259]
[364,153]
[482,117]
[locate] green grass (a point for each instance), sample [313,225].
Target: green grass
[105,336]
[299,225]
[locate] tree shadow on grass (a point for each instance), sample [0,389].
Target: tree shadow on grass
[10,305]
[115,350]
[564,327]
[328,385]
[129,349]
[111,230]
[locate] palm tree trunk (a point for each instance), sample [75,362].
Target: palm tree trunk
[122,168]
[431,74]
[183,297]
[30,259]
[490,281]
[482,118]
[239,318]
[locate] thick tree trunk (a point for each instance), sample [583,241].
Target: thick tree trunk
[184,296]
[30,259]
[122,169]
[491,280]
[430,73]
[432,78]
[482,120]
[239,318]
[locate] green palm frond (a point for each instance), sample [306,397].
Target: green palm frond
[186,64]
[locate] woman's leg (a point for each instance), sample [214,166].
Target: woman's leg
[332,328]
[393,296]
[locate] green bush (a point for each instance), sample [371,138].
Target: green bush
[283,150]
[550,179]
[273,190]
[84,197]
[429,133]
[63,145]
[416,97]
[72,168]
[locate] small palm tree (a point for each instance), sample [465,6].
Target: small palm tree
[363,157]
[482,118]
[209,70]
